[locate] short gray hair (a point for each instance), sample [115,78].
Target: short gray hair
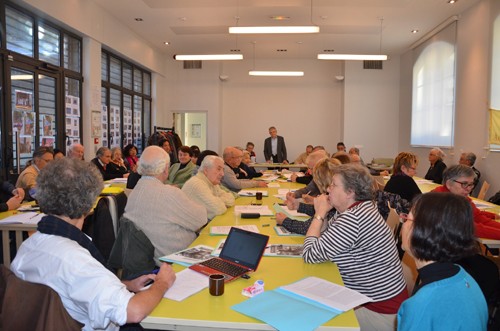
[439,152]
[470,157]
[68,187]
[153,161]
[457,171]
[101,151]
[356,178]
[209,162]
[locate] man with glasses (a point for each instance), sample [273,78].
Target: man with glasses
[27,179]
[469,159]
[232,158]
[459,179]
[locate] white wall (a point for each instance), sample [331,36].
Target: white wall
[472,94]
[371,115]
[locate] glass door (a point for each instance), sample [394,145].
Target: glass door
[33,100]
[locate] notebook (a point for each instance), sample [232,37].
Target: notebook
[241,254]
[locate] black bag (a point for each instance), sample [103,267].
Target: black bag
[495,199]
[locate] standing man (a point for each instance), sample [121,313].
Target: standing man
[274,147]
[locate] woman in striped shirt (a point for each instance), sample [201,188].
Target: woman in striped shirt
[359,241]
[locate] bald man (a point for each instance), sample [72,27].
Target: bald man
[232,158]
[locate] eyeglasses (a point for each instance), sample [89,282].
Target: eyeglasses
[465,185]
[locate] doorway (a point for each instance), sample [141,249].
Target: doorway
[192,128]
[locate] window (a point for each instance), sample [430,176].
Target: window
[48,44]
[19,32]
[494,134]
[126,100]
[433,106]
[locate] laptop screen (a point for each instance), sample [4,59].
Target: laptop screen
[244,247]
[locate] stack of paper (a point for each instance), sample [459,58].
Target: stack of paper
[293,214]
[281,231]
[24,218]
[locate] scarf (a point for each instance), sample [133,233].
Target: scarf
[55,226]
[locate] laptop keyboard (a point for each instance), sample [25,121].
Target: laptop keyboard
[225,267]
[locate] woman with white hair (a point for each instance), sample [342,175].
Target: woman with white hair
[435,172]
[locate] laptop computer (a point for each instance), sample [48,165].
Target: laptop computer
[241,254]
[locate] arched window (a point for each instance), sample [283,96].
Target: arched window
[433,102]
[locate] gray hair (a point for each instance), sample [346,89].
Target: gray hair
[470,157]
[209,162]
[439,152]
[153,161]
[68,187]
[457,171]
[101,151]
[41,151]
[357,179]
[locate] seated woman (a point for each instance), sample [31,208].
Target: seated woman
[401,182]
[435,172]
[438,231]
[180,172]
[117,165]
[130,157]
[359,241]
[459,179]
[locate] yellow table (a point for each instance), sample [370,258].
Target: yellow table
[205,312]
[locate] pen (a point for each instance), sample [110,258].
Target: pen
[264,225]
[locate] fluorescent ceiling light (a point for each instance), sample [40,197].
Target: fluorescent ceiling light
[359,57]
[208,57]
[275,73]
[274,29]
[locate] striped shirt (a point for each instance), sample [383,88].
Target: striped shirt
[362,245]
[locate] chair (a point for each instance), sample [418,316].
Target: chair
[132,251]
[30,306]
[484,188]
[394,222]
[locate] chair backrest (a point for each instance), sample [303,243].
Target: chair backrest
[132,251]
[482,193]
[30,306]
[393,220]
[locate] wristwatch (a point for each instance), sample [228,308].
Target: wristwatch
[319,218]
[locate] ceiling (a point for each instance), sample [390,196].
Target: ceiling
[347,26]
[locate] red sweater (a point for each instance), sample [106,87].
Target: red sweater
[484,222]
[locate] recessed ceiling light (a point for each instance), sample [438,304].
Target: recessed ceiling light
[138,19]
[167,43]
[414,31]
[279,17]
[452,1]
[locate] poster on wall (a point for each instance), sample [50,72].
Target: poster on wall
[195,130]
[104,125]
[114,126]
[72,110]
[24,100]
[47,124]
[127,126]
[137,127]
[28,124]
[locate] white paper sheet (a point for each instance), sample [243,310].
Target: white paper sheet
[187,283]
[262,210]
